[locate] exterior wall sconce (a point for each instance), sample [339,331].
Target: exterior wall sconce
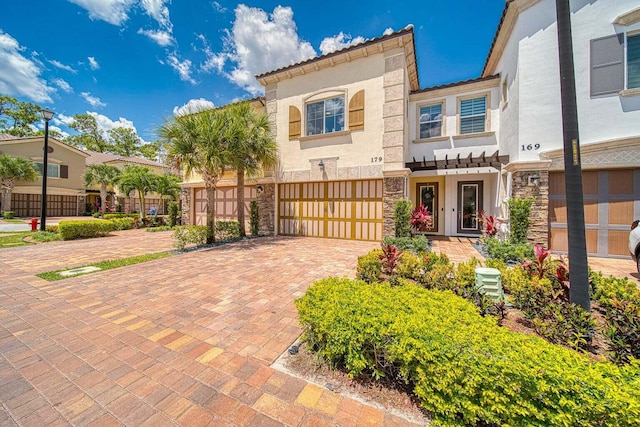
[534,179]
[321,165]
[260,188]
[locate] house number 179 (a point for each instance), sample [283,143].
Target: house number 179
[376,159]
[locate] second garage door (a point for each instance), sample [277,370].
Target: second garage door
[338,209]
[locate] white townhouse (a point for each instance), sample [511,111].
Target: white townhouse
[356,133]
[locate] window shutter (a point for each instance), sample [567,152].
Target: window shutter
[607,65]
[294,122]
[356,111]
[64,171]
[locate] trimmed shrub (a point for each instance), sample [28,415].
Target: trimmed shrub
[8,214]
[254,218]
[80,229]
[227,230]
[96,214]
[464,368]
[123,223]
[52,229]
[370,266]
[507,251]
[119,215]
[402,216]
[190,234]
[417,244]
[159,228]
[411,267]
[172,209]
[519,219]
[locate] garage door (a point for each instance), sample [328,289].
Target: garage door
[226,204]
[28,205]
[611,204]
[341,209]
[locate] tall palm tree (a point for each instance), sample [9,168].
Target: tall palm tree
[14,169]
[197,142]
[103,175]
[167,185]
[140,179]
[252,148]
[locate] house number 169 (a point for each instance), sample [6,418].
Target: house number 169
[376,159]
[529,147]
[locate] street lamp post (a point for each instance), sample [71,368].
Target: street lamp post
[46,115]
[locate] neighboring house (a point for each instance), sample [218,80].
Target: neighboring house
[130,202]
[65,183]
[356,133]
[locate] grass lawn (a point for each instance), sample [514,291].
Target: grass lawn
[13,238]
[13,221]
[105,265]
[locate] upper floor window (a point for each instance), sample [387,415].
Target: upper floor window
[325,116]
[473,115]
[633,61]
[430,119]
[53,170]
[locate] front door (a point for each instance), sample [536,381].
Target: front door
[469,205]
[428,196]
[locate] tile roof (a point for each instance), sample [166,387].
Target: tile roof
[99,158]
[459,83]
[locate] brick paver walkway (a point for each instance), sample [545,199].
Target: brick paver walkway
[185,340]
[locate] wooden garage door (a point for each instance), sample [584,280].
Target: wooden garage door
[28,205]
[341,209]
[226,204]
[611,204]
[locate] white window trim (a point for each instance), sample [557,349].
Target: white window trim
[628,91]
[504,92]
[323,96]
[49,165]
[443,129]
[487,112]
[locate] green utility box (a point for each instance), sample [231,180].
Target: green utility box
[489,282]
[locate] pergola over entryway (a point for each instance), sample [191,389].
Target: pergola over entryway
[495,160]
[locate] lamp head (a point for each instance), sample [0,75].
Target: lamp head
[47,115]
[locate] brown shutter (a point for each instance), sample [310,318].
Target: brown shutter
[356,111]
[64,171]
[607,65]
[295,119]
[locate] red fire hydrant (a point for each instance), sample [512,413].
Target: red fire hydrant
[34,224]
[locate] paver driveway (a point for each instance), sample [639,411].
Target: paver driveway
[184,340]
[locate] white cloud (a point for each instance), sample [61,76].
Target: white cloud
[94,101]
[105,124]
[162,38]
[158,11]
[337,42]
[387,31]
[19,75]
[183,68]
[93,63]
[193,106]
[112,11]
[259,42]
[218,7]
[63,85]
[60,131]
[62,66]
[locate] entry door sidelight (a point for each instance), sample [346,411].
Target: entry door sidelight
[428,196]
[469,205]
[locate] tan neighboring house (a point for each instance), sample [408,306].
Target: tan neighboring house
[130,202]
[65,183]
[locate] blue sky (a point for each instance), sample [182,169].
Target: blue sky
[132,63]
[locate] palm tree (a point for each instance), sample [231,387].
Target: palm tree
[140,179]
[14,169]
[103,175]
[197,143]
[252,147]
[167,185]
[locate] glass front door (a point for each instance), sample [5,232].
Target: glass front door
[428,196]
[469,206]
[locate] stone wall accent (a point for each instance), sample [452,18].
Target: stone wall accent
[267,209]
[82,207]
[393,190]
[185,205]
[520,188]
[393,114]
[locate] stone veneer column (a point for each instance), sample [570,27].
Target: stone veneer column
[394,189]
[393,112]
[82,205]
[520,188]
[185,205]
[266,209]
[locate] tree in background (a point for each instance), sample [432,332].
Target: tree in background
[154,151]
[167,186]
[252,148]
[103,175]
[140,179]
[18,118]
[124,142]
[14,169]
[89,136]
[196,142]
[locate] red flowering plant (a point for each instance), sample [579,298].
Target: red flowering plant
[491,224]
[545,266]
[421,219]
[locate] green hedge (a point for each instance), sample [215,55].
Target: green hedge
[190,234]
[120,215]
[80,229]
[464,368]
[125,223]
[227,230]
